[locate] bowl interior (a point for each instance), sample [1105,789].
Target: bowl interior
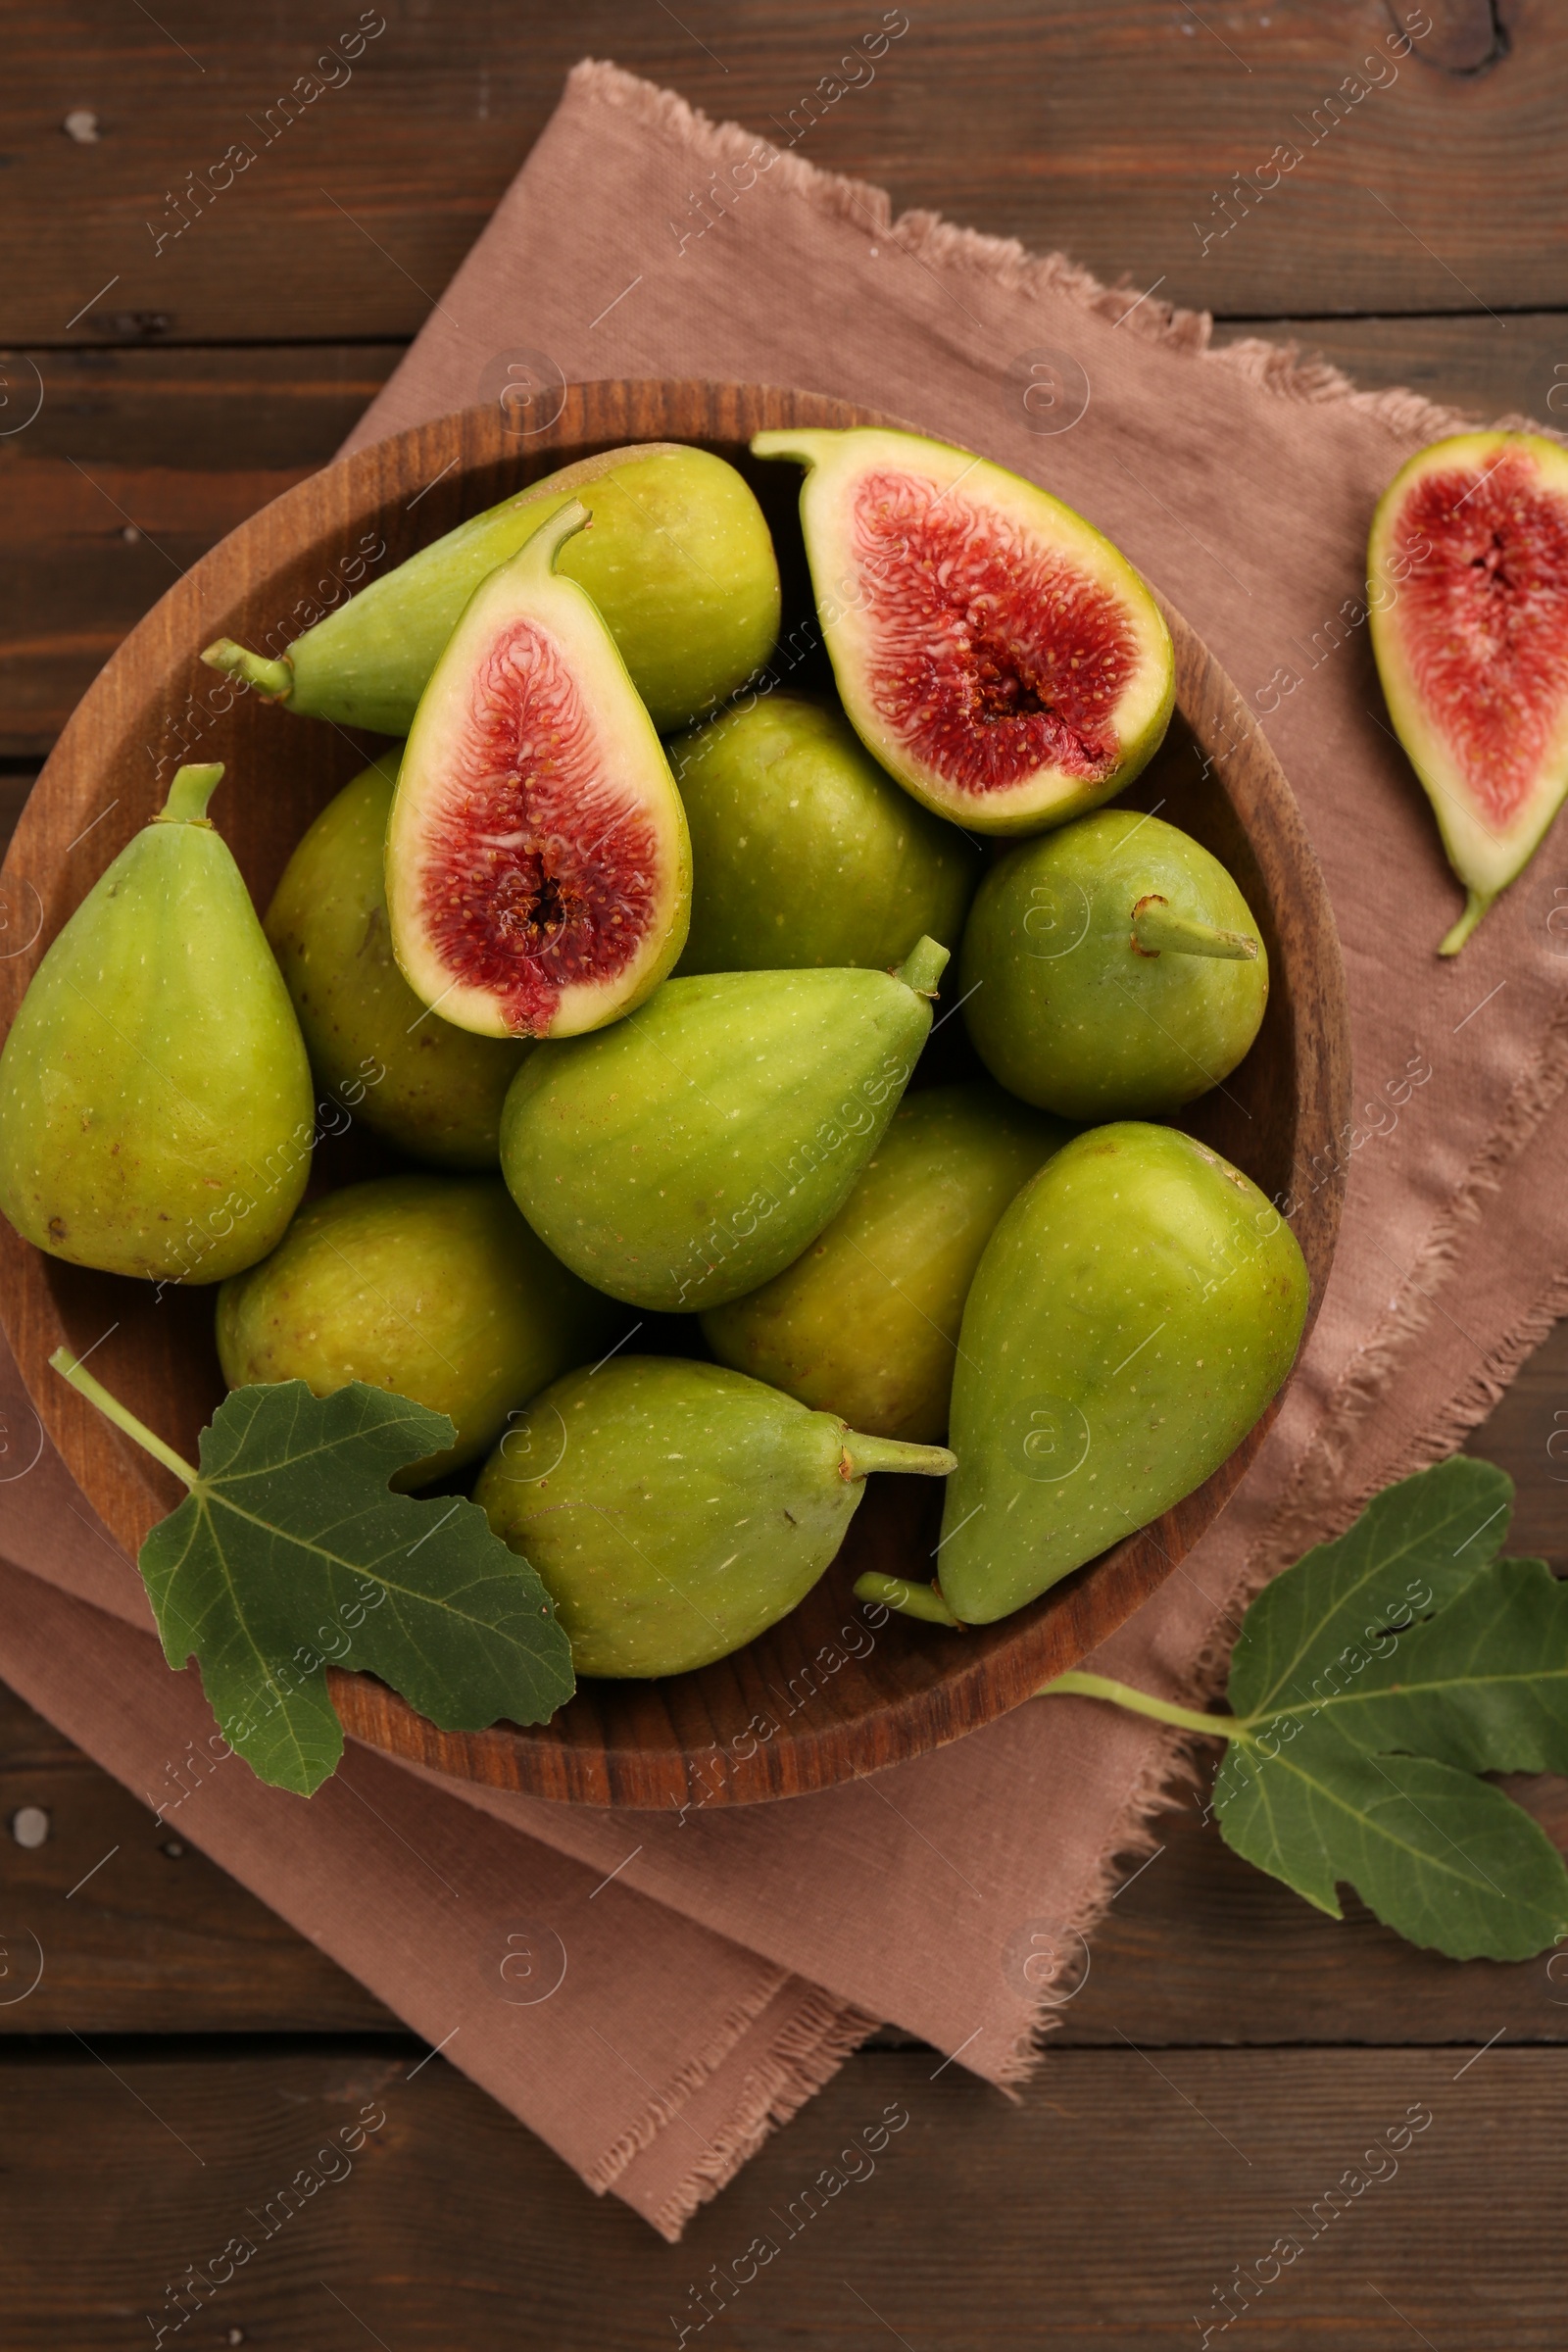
[837,1689]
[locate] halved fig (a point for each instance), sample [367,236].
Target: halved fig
[538,870]
[997,655]
[1467,589]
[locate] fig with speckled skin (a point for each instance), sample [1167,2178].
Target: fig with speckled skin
[1112,969]
[804,851]
[865,1321]
[675,1510]
[687,1154]
[155,1114]
[429,1285]
[679,563]
[432,1090]
[1135,1310]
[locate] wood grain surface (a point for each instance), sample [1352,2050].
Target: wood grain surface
[1100,2214]
[809,1702]
[1089,2219]
[1110,131]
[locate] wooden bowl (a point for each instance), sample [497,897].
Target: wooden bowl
[827,1695]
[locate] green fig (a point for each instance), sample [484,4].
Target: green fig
[434,1091]
[687,1154]
[679,563]
[429,1285]
[1135,1310]
[1005,663]
[1112,969]
[538,870]
[804,851]
[865,1322]
[156,1112]
[1467,606]
[675,1510]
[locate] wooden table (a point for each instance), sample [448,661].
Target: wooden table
[1232,2052]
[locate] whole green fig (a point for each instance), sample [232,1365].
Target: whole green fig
[865,1322]
[679,563]
[430,1286]
[434,1091]
[155,1114]
[687,1154]
[675,1510]
[1135,1310]
[1111,969]
[803,851]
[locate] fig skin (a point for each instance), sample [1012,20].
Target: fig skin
[1487,849]
[431,1287]
[675,1510]
[433,1090]
[1135,1311]
[865,1322]
[1005,681]
[681,566]
[687,1155]
[529,736]
[156,1112]
[804,851]
[1066,1008]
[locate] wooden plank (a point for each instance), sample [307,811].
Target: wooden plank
[1112,130]
[1110,2209]
[1198,1950]
[1527,1434]
[135,1929]
[179,446]
[136,463]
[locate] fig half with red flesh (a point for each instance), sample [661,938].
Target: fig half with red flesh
[999,657]
[538,870]
[1467,589]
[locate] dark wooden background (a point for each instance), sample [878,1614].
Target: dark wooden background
[1232,2052]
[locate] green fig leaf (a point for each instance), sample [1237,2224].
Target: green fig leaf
[290,1552]
[1371,1685]
[1445,1859]
[1414,1547]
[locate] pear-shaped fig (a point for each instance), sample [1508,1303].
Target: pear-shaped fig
[803,851]
[538,872]
[687,1155]
[674,1511]
[679,563]
[155,1114]
[1111,970]
[434,1091]
[429,1285]
[997,655]
[865,1322]
[1135,1310]
[1468,597]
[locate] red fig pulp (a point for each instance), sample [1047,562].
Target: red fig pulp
[1468,595]
[997,655]
[538,867]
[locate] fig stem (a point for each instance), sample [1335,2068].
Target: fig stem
[189,793]
[1158,930]
[925,1602]
[540,551]
[68,1368]
[924,967]
[862,1453]
[274,679]
[1476,903]
[1141,1702]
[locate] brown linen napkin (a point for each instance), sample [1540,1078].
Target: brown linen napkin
[762,1940]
